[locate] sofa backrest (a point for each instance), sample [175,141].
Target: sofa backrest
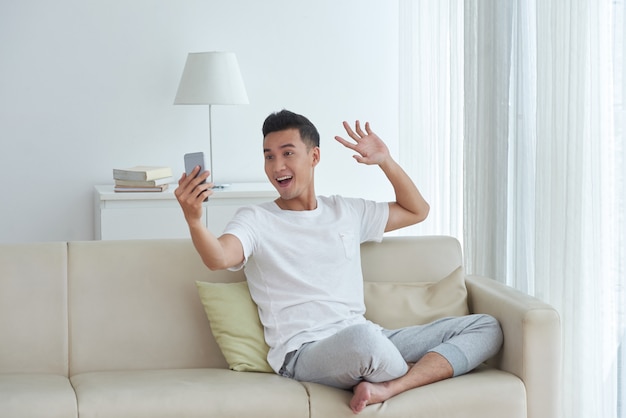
[131,305]
[33,308]
[134,305]
[410,259]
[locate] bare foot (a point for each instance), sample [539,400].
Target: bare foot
[367,393]
[431,368]
[361,397]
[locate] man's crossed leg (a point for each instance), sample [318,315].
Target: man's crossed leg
[373,361]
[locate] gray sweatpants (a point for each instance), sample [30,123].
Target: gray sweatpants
[367,352]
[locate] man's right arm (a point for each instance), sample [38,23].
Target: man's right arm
[216,253]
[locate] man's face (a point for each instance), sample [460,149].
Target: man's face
[289,164]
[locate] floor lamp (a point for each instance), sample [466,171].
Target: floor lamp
[211,78]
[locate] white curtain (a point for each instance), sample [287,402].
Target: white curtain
[578,225]
[431,109]
[543,197]
[487,52]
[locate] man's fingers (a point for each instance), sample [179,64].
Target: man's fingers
[201,177]
[345,143]
[350,132]
[192,184]
[359,131]
[359,134]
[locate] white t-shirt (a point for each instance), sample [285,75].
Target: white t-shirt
[304,267]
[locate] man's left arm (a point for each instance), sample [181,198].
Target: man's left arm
[410,206]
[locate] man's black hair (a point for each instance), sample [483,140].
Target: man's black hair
[283,120]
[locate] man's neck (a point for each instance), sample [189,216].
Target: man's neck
[297,204]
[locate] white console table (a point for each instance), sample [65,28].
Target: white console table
[153,215]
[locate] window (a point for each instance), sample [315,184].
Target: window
[512,124]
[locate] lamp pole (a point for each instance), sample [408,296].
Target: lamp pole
[210,143]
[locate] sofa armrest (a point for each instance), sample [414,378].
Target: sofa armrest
[532,341]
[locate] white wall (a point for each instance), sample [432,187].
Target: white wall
[89,86]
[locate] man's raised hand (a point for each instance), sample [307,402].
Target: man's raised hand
[370,148]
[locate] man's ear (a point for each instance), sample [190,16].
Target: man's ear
[316,155]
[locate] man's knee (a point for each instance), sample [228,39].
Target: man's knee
[374,352]
[346,358]
[362,340]
[484,339]
[490,328]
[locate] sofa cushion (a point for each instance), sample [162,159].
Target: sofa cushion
[410,259]
[395,305]
[36,395]
[33,308]
[235,325]
[485,393]
[134,306]
[188,393]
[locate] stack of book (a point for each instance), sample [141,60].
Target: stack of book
[142,178]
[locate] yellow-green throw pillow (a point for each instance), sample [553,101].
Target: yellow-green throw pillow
[235,325]
[397,305]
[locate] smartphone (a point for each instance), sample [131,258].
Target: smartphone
[192,160]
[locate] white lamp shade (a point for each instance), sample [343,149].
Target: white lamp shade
[211,78]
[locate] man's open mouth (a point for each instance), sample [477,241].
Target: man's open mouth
[284,179]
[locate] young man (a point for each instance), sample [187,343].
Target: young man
[301,255]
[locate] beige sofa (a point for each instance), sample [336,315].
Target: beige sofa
[116,329]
